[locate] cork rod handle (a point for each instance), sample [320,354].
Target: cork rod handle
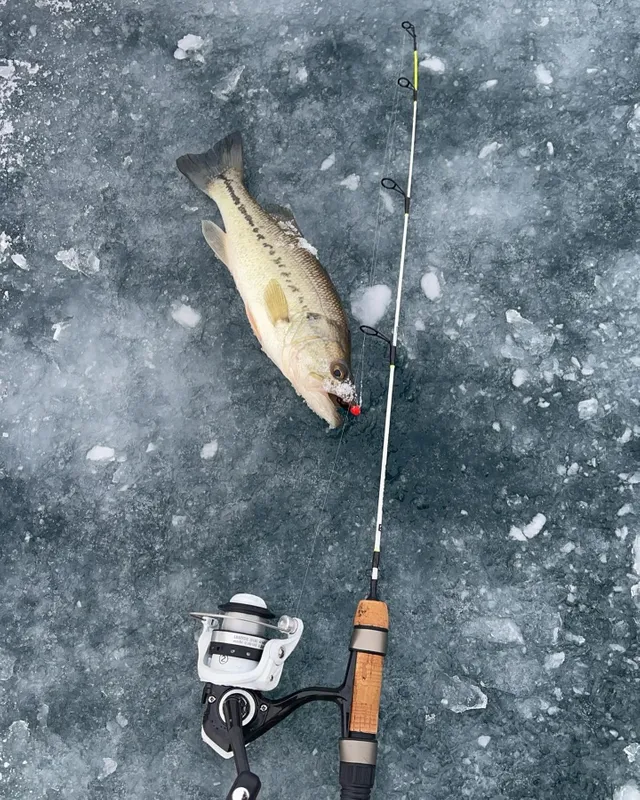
[367,681]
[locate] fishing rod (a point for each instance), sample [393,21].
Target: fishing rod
[242,648]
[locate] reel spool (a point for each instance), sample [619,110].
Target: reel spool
[242,647]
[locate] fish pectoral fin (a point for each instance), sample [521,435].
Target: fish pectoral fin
[276,302]
[216,239]
[282,214]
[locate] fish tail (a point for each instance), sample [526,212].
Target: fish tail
[204,169]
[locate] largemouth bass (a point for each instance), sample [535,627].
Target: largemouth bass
[290,301]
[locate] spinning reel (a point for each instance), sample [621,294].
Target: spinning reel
[241,654]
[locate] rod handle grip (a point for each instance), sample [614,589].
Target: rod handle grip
[370,624]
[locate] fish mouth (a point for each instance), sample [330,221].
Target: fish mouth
[338,402]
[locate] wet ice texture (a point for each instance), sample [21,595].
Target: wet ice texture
[152,461]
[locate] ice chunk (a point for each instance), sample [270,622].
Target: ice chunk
[535,526]
[459,696]
[519,377]
[228,83]
[209,450]
[625,510]
[7,663]
[587,409]
[490,84]
[188,44]
[369,305]
[636,554]
[20,261]
[328,162]
[101,453]
[431,285]
[627,792]
[109,765]
[185,315]
[433,64]
[488,149]
[351,182]
[543,76]
[495,629]
[553,661]
[84,261]
[483,741]
[517,534]
[632,751]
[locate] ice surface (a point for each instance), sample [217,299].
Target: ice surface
[535,251]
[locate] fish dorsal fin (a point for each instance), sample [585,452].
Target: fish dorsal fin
[284,217]
[276,302]
[216,239]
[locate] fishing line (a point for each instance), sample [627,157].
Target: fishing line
[389,146]
[388,150]
[319,525]
[389,183]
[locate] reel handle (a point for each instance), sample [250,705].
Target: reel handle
[358,750]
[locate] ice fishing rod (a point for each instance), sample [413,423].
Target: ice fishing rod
[242,648]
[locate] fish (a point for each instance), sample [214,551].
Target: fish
[290,301]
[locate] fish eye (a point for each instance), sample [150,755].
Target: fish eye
[339,370]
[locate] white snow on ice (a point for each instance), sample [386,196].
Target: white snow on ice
[431,285]
[185,315]
[587,409]
[543,76]
[433,64]
[351,182]
[328,162]
[209,450]
[101,453]
[369,305]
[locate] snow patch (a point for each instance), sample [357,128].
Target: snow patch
[627,792]
[351,182]
[636,554]
[84,261]
[369,305]
[20,261]
[587,409]
[488,149]
[530,530]
[109,766]
[543,76]
[328,162]
[519,377]
[189,45]
[490,84]
[185,315]
[209,450]
[554,660]
[431,285]
[433,64]
[483,741]
[101,453]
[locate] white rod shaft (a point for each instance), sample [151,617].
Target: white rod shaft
[396,325]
